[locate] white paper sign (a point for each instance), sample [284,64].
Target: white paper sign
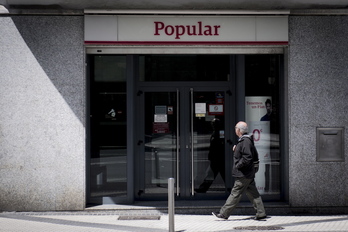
[160,118]
[200,108]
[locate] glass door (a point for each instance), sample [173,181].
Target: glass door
[208,142]
[184,137]
[161,146]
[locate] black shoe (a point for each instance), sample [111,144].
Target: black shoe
[260,218]
[218,215]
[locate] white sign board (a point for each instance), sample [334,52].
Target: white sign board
[200,108]
[134,28]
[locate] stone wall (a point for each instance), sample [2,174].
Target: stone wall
[318,93]
[42,116]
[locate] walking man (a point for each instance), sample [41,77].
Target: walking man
[245,165]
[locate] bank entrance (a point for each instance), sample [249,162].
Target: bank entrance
[160,116]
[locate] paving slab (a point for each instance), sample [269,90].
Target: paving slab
[107,221]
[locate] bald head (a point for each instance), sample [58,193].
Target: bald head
[241,128]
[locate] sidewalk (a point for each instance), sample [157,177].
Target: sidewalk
[110,221]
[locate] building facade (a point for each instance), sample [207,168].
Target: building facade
[103,106]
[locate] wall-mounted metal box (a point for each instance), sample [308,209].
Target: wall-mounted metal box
[330,144]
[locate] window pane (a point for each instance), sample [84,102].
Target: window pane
[108,120]
[110,68]
[184,67]
[262,74]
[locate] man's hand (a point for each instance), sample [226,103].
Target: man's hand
[256,165]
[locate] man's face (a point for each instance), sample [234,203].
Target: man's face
[269,108]
[236,130]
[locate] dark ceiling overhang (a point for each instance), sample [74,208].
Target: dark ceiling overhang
[175,5]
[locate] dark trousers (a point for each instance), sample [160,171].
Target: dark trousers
[248,186]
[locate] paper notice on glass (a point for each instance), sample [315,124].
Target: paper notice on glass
[160,118]
[200,108]
[160,109]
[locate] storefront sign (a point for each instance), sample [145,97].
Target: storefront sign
[197,29]
[194,29]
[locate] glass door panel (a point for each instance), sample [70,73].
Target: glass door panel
[107,130]
[161,145]
[184,139]
[208,134]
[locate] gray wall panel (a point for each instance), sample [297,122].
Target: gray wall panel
[42,97]
[318,95]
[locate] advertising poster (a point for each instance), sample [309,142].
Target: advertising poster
[255,112]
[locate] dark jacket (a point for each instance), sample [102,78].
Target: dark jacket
[245,155]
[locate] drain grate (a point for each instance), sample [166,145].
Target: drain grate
[259,228]
[144,217]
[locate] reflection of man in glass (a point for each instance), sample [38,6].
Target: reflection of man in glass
[268,115]
[216,157]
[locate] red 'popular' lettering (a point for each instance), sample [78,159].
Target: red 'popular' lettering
[180,30]
[158,26]
[191,30]
[169,30]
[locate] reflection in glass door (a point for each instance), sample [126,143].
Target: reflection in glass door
[161,140]
[184,134]
[208,142]
[108,130]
